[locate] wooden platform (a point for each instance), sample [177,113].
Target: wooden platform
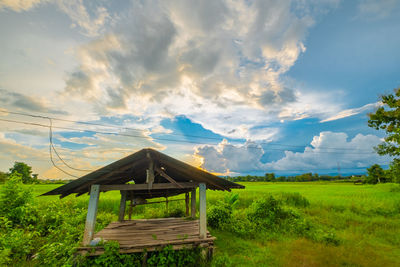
[151,234]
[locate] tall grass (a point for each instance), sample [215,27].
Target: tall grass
[366,218]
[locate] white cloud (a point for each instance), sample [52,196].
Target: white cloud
[347,153]
[20,5]
[92,25]
[326,151]
[352,111]
[210,61]
[91,21]
[31,146]
[227,158]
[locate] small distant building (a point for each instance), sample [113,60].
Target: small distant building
[145,175]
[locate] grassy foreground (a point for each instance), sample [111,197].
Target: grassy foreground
[364,219]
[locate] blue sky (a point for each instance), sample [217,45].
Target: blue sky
[234,87]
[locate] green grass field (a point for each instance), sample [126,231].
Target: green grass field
[365,220]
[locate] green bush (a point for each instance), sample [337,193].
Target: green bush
[169,257]
[111,258]
[177,212]
[295,199]
[266,212]
[16,201]
[218,215]
[18,244]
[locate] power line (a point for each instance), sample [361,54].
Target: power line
[255,146]
[51,154]
[55,151]
[183,135]
[100,124]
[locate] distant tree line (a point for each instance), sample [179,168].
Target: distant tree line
[375,175]
[270,177]
[24,172]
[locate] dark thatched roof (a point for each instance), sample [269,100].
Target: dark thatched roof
[133,168]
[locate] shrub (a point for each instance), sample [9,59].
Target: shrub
[169,257]
[218,215]
[17,243]
[16,201]
[176,213]
[295,199]
[266,212]
[111,257]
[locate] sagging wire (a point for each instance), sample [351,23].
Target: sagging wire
[51,148]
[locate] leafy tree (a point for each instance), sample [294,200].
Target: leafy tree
[269,177]
[15,199]
[3,177]
[24,170]
[375,174]
[393,174]
[387,118]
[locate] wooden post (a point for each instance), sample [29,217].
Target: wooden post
[193,203]
[91,214]
[130,209]
[166,204]
[122,206]
[150,172]
[187,204]
[202,211]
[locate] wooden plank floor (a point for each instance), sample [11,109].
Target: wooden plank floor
[150,234]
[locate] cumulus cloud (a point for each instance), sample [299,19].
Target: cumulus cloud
[20,5]
[19,101]
[326,151]
[226,158]
[352,111]
[357,151]
[83,152]
[92,23]
[191,57]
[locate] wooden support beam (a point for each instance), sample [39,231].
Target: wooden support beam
[130,209]
[187,204]
[166,176]
[156,202]
[133,187]
[104,177]
[91,214]
[150,173]
[193,203]
[122,206]
[166,204]
[202,210]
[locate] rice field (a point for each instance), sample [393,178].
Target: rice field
[365,218]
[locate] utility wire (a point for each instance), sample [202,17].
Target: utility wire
[256,146]
[58,155]
[51,154]
[139,130]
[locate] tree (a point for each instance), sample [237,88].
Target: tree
[387,117]
[24,170]
[3,177]
[375,174]
[15,200]
[270,177]
[393,173]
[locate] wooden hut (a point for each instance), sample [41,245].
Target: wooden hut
[144,175]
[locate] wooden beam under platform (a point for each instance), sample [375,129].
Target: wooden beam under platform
[150,235]
[138,187]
